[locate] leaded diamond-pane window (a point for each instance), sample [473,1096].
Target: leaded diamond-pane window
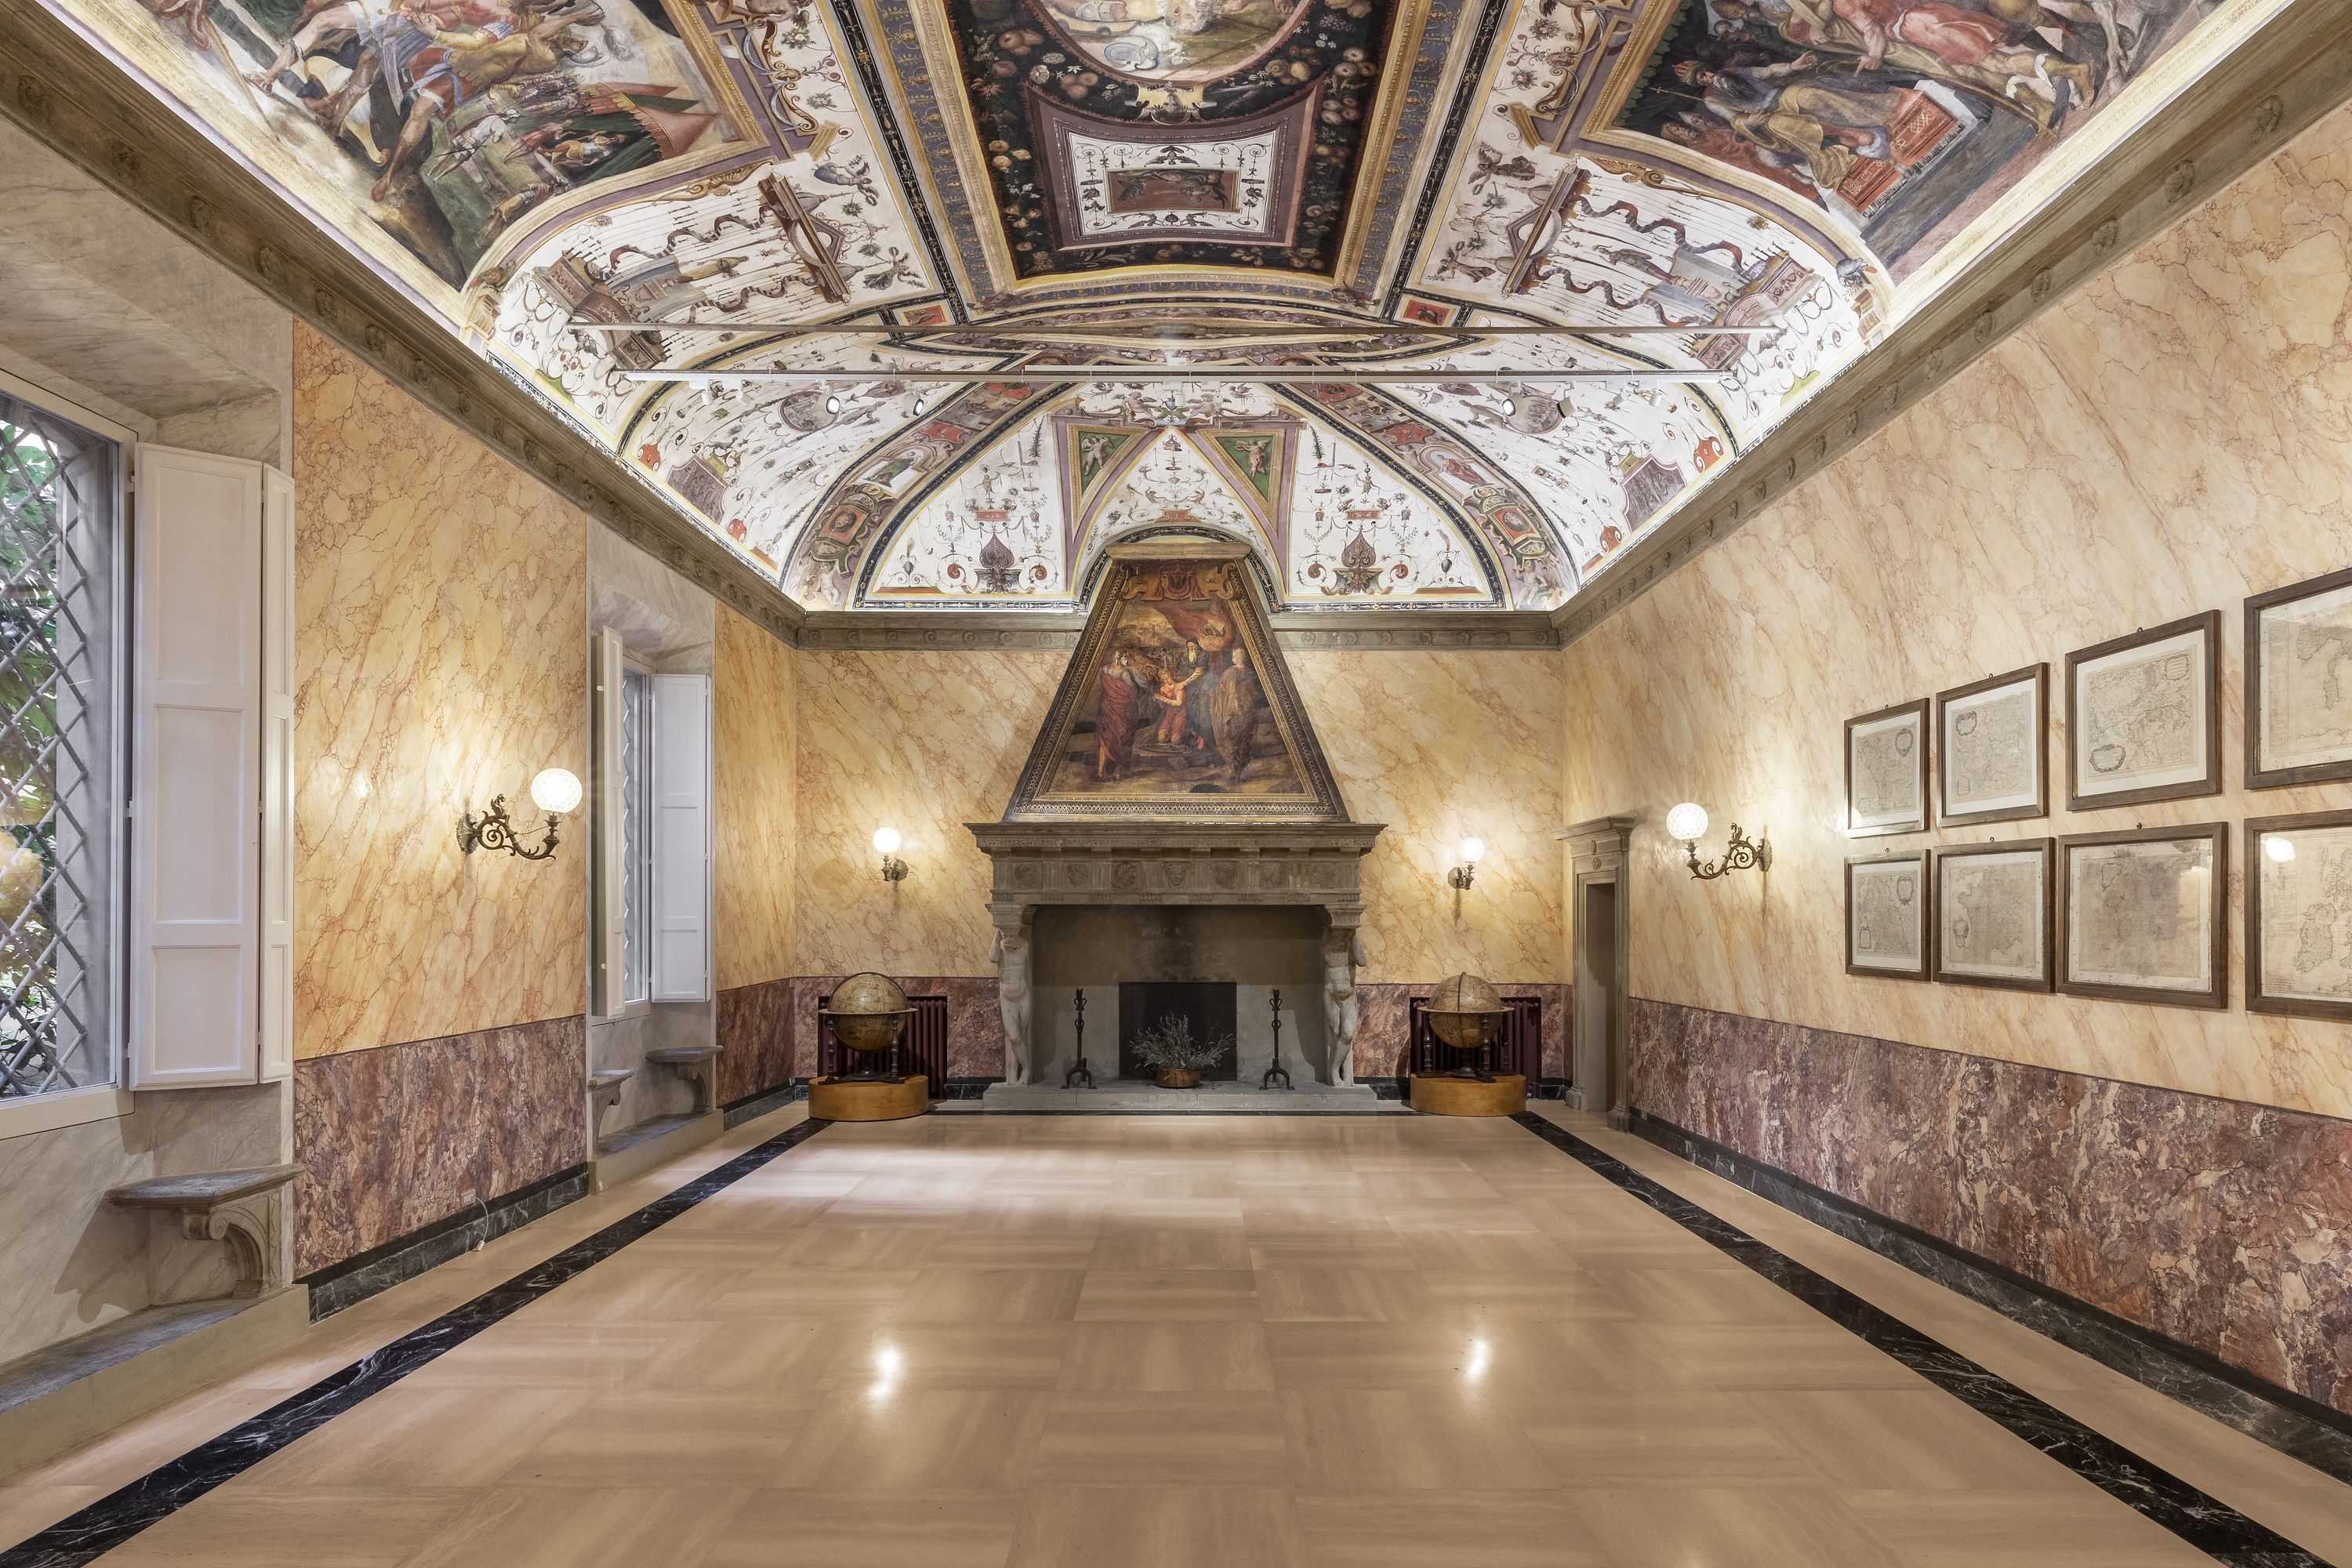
[58,809]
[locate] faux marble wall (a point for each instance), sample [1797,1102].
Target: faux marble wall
[755,793]
[439,660]
[1442,746]
[1438,745]
[394,1139]
[2225,1225]
[923,743]
[2172,437]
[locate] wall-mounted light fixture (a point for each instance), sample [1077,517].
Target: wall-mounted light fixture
[555,790]
[1687,822]
[1471,850]
[886,841]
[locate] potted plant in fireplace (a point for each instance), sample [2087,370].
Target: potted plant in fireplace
[1175,1056]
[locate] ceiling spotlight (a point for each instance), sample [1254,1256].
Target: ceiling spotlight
[1510,406]
[832,403]
[920,404]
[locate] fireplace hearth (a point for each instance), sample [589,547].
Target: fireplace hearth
[1209,1006]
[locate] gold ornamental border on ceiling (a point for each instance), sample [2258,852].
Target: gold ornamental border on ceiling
[922,70]
[1174,775]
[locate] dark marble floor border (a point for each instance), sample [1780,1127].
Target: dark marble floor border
[2298,1426]
[2203,1521]
[350,1280]
[114,1519]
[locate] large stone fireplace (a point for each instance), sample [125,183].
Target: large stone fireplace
[1092,905]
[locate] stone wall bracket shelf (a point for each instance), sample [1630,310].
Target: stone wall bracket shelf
[695,1065]
[227,1206]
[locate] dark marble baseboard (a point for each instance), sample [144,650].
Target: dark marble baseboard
[365,1274]
[737,1112]
[2299,1427]
[2196,1517]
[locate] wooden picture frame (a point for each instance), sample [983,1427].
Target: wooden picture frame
[2087,733]
[1952,879]
[1862,870]
[2262,876]
[1956,706]
[2214,950]
[1890,721]
[2264,772]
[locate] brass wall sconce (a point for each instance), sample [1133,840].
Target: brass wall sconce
[886,841]
[1471,850]
[553,790]
[1687,822]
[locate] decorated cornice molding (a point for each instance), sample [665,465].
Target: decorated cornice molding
[2277,83]
[1055,631]
[63,89]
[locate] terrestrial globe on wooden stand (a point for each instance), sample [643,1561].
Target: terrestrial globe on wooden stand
[867,1014]
[1466,1014]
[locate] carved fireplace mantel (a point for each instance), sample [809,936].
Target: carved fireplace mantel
[1139,862]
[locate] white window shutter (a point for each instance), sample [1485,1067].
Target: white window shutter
[681,837]
[608,976]
[276,775]
[197,673]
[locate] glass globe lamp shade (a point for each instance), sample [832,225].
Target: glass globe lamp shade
[1687,822]
[1471,850]
[555,790]
[886,840]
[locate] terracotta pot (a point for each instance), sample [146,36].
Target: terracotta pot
[1180,1078]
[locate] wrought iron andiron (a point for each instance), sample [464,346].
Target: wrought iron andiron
[1078,1069]
[1274,1069]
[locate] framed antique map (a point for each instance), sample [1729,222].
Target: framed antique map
[1993,904]
[2299,914]
[1988,749]
[2142,915]
[1886,930]
[1886,771]
[2142,720]
[2299,683]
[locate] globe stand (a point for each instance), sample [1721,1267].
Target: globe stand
[1078,1069]
[1274,1069]
[867,1014]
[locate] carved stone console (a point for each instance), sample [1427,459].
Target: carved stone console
[1136,862]
[238,1208]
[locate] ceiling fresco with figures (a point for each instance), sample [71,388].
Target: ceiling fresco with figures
[1576,256]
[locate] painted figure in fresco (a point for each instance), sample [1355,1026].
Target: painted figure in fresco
[1933,38]
[1118,707]
[1792,113]
[463,63]
[1175,685]
[1232,713]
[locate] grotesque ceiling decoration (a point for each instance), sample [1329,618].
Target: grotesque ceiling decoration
[1567,259]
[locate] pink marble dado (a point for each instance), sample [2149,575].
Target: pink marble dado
[2223,1224]
[755,1039]
[398,1137]
[1384,1010]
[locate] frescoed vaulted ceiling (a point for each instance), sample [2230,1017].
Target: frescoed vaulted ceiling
[589,191]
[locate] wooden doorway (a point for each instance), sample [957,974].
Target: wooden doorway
[1600,884]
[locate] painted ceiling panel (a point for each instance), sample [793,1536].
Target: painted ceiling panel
[600,193]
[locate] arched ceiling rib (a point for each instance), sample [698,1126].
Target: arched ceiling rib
[593,190]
